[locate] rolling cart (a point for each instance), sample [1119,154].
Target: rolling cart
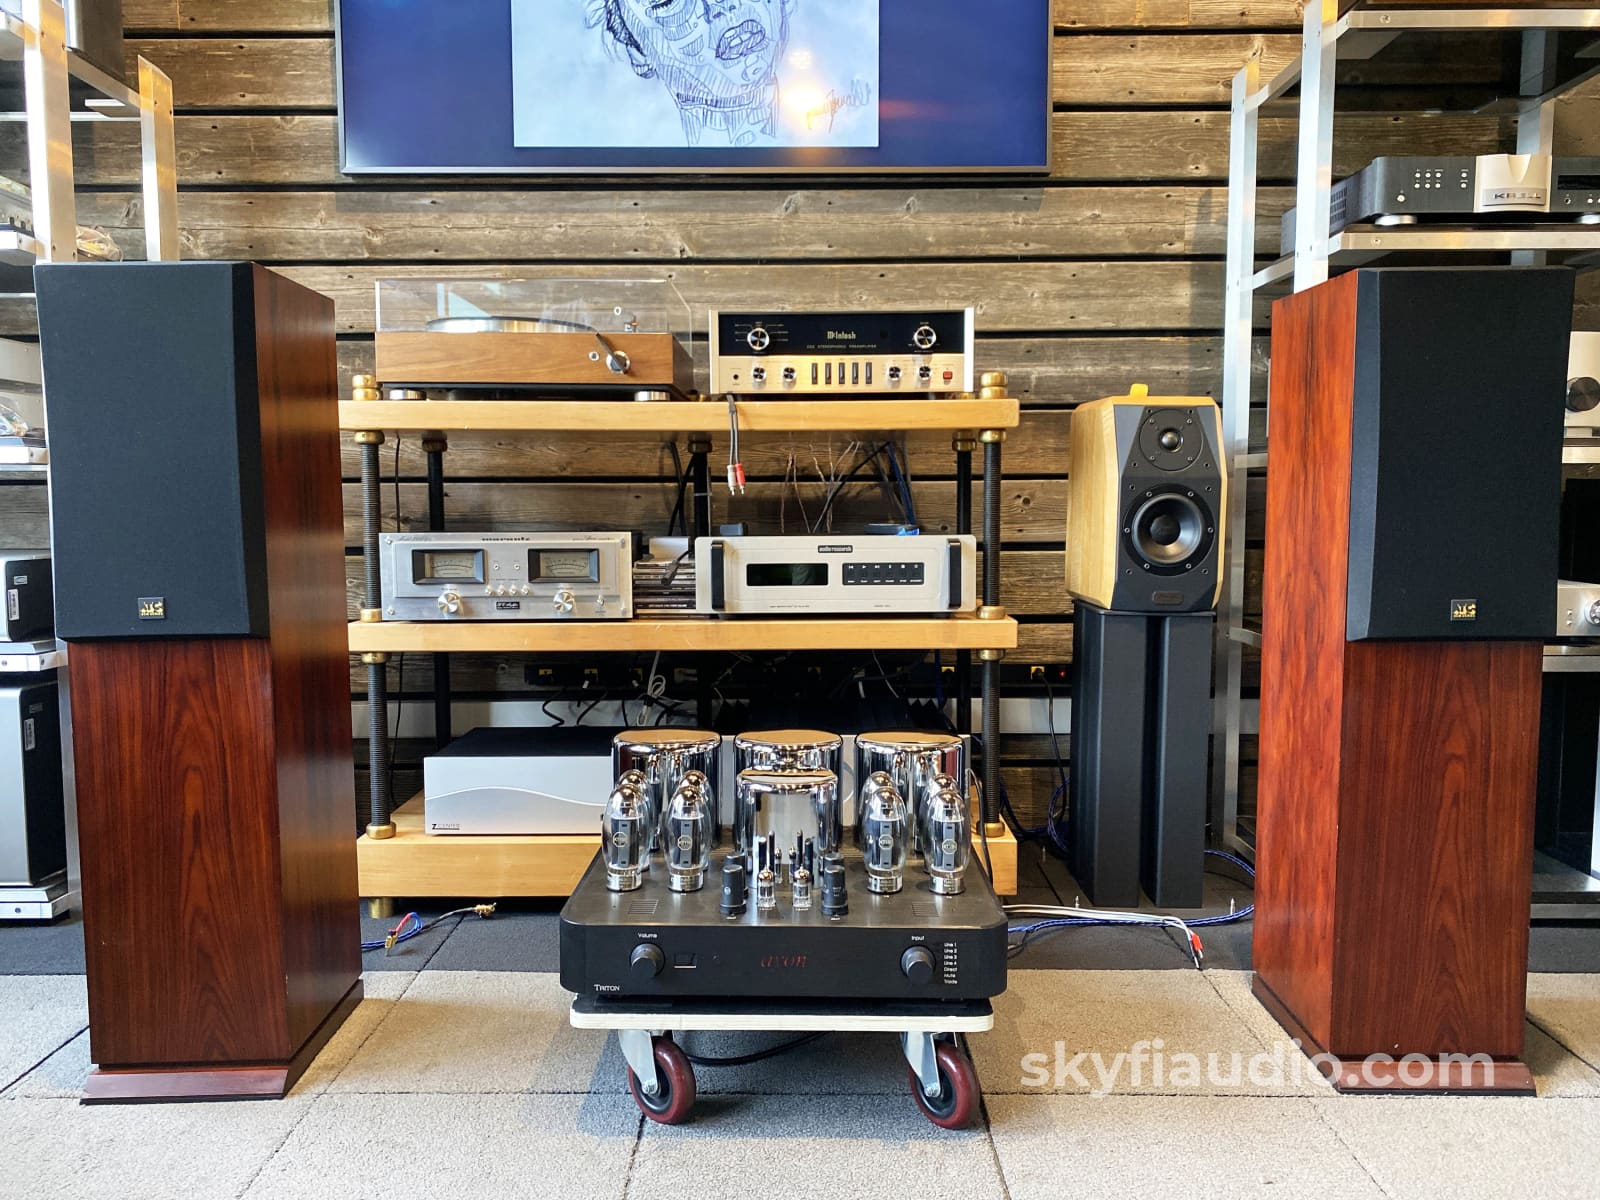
[943,1082]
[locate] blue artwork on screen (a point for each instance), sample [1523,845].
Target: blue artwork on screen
[714,73]
[481,86]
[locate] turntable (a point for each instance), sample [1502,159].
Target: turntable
[525,338]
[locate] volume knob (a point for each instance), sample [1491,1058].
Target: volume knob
[564,600]
[925,338]
[646,961]
[450,602]
[759,339]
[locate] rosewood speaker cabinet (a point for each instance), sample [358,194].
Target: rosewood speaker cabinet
[199,552]
[1412,514]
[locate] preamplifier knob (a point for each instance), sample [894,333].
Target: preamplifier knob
[759,339]
[646,961]
[925,338]
[564,600]
[916,964]
[450,602]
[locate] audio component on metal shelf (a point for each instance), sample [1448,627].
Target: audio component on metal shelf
[788,909]
[1577,609]
[1583,382]
[1401,189]
[33,831]
[842,575]
[513,781]
[520,338]
[29,612]
[507,576]
[916,352]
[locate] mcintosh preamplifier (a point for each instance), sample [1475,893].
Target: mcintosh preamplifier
[507,576]
[916,352]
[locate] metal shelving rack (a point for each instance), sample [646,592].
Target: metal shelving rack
[61,87]
[1328,38]
[398,859]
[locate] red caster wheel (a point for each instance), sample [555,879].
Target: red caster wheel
[672,1104]
[957,1103]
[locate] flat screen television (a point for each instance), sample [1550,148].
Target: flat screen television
[491,86]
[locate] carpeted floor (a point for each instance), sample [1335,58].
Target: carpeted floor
[460,1076]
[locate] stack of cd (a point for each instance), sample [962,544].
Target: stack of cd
[663,583]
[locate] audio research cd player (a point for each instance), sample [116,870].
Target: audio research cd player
[507,576]
[915,352]
[841,575]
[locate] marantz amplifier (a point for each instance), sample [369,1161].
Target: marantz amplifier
[916,352]
[507,576]
[842,575]
[1399,189]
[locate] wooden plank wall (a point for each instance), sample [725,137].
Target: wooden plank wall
[1105,273]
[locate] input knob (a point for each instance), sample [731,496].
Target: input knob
[564,600]
[924,338]
[916,964]
[646,961]
[759,339]
[450,602]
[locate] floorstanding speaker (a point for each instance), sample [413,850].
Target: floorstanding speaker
[1409,581]
[198,541]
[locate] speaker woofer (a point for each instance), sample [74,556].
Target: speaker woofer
[1170,531]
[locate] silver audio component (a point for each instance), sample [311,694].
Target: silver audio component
[665,757]
[886,834]
[843,575]
[1577,609]
[912,759]
[625,836]
[912,353]
[1583,382]
[788,750]
[782,806]
[507,576]
[689,832]
[947,842]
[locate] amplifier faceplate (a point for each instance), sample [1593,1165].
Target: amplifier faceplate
[783,952]
[913,352]
[507,576]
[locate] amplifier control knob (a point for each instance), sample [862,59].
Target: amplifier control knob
[759,339]
[925,338]
[646,961]
[916,964]
[450,602]
[564,600]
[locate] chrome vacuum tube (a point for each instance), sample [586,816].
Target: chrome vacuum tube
[947,840]
[664,757]
[788,807]
[885,834]
[689,832]
[912,759]
[625,834]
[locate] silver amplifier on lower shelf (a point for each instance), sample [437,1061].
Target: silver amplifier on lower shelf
[507,576]
[838,575]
